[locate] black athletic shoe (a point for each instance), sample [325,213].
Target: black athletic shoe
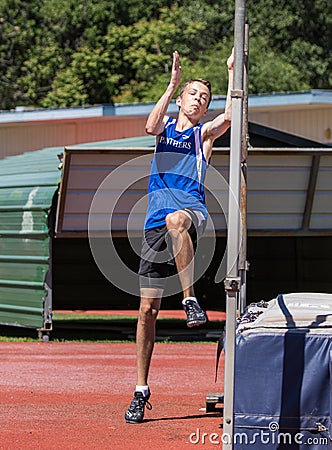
[135,412]
[195,315]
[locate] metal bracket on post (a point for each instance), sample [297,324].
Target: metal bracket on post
[237,93]
[232,284]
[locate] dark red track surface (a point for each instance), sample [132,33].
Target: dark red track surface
[74,395]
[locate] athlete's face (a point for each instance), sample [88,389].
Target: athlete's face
[194,100]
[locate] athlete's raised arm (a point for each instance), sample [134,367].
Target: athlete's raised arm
[157,118]
[213,129]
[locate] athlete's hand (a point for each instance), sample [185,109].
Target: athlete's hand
[176,70]
[230,61]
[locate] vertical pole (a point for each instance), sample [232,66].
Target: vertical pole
[232,281]
[243,262]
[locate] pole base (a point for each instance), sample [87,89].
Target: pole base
[214,402]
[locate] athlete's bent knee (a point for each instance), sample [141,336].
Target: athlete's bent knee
[177,221]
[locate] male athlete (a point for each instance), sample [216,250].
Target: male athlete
[177,213]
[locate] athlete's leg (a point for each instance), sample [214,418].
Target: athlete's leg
[145,334]
[178,224]
[145,338]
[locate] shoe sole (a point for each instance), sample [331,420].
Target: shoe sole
[196,323]
[134,421]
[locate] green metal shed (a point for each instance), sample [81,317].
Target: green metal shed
[27,185]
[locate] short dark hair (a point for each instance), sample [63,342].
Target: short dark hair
[200,80]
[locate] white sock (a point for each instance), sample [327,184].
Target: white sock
[194,299]
[143,389]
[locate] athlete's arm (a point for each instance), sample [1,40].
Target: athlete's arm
[218,126]
[157,118]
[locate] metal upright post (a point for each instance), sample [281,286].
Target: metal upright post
[233,281]
[243,262]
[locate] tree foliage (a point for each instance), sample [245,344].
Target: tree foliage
[57,53]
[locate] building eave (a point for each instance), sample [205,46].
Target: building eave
[288,100]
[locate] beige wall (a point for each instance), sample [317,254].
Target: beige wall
[314,124]
[17,138]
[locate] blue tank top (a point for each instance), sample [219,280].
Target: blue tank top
[177,174]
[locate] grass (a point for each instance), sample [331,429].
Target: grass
[16,339]
[80,327]
[82,316]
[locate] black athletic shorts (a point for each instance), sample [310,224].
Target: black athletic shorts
[157,260]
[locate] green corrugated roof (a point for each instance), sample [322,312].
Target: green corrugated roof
[133,142]
[35,162]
